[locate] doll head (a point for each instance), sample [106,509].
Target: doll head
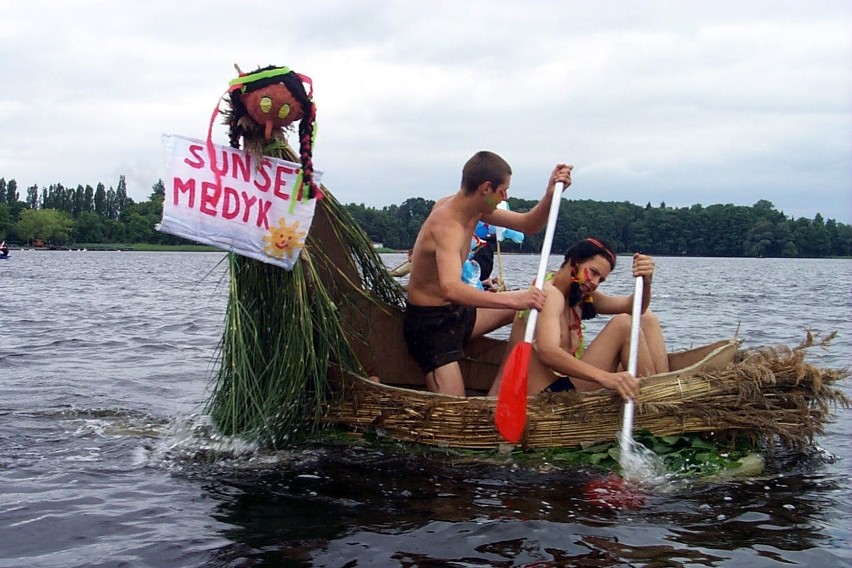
[265,102]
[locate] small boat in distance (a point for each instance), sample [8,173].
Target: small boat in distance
[4,250]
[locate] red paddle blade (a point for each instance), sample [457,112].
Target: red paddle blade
[511,416]
[615,493]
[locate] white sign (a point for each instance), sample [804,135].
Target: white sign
[226,198]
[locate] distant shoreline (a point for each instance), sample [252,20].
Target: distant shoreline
[119,247]
[146,247]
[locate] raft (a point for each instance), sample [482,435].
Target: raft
[323,345]
[769,394]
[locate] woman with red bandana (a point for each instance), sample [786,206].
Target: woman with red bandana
[561,359]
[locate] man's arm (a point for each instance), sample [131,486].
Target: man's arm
[457,292]
[533,220]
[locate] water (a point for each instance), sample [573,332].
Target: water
[105,458]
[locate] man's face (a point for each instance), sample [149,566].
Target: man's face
[499,193]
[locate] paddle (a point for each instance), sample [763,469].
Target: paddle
[612,491]
[501,286]
[626,440]
[511,415]
[501,233]
[498,236]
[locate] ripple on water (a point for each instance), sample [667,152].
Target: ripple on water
[104,451]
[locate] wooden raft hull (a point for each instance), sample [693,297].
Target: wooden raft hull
[553,419]
[769,393]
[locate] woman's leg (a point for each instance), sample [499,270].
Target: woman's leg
[610,351]
[489,319]
[654,339]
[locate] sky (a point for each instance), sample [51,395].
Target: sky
[679,102]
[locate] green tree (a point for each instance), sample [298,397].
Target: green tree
[88,199]
[120,196]
[88,228]
[56,196]
[694,231]
[759,239]
[800,232]
[783,245]
[660,227]
[764,206]
[139,228]
[843,244]
[790,250]
[32,197]
[820,238]
[6,222]
[717,230]
[146,214]
[728,225]
[9,215]
[100,200]
[411,215]
[12,192]
[114,231]
[158,190]
[50,225]
[625,215]
[78,201]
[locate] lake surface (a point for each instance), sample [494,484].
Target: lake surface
[106,459]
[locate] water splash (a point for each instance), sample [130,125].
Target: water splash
[195,439]
[641,466]
[643,474]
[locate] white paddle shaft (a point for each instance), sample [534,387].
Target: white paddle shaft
[556,200]
[632,362]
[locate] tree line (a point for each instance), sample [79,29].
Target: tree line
[59,215]
[90,215]
[716,230]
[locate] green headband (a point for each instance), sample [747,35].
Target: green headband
[252,77]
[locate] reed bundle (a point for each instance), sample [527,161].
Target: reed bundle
[283,328]
[768,394]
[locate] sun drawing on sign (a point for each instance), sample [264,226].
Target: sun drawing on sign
[284,241]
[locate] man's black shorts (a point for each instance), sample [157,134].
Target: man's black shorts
[436,335]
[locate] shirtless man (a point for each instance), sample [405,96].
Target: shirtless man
[442,312]
[561,360]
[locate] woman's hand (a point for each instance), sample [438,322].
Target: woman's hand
[623,383]
[643,265]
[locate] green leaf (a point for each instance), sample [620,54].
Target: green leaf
[700,443]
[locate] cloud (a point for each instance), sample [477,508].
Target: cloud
[676,101]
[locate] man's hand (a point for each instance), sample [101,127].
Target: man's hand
[524,299]
[561,173]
